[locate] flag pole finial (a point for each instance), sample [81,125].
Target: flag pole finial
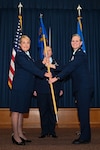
[20,7]
[79,10]
[41,15]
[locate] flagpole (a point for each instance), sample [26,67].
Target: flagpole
[20,15]
[79,15]
[12,65]
[79,27]
[50,36]
[51,85]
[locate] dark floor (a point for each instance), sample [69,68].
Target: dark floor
[63,142]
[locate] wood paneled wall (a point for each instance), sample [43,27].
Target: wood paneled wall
[67,118]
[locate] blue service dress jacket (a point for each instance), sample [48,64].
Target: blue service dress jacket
[77,68]
[23,82]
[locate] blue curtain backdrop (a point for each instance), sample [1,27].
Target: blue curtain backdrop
[61,16]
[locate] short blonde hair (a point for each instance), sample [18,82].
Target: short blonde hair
[24,36]
[77,35]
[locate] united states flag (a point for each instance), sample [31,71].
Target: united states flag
[16,47]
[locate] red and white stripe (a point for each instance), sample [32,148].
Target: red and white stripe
[12,69]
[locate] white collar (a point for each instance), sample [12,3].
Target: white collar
[27,53]
[51,60]
[74,52]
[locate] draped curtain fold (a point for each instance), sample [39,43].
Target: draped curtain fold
[52,4]
[62,18]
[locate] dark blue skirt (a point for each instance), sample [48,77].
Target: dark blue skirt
[20,101]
